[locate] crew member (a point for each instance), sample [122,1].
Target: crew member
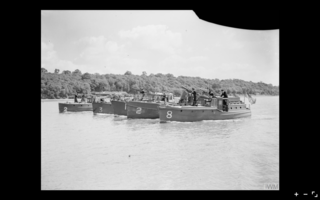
[224,95]
[164,97]
[211,94]
[143,93]
[75,98]
[194,93]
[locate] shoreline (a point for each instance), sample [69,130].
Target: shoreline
[229,95]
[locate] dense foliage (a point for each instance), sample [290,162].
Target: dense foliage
[59,85]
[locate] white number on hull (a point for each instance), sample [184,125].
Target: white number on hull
[138,110]
[65,109]
[169,114]
[100,109]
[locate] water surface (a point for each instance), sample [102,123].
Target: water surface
[86,151]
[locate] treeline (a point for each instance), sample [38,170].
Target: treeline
[60,85]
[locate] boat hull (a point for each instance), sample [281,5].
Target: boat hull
[119,108]
[103,108]
[74,107]
[192,113]
[142,110]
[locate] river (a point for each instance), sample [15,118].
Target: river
[83,151]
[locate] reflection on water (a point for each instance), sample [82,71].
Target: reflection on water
[83,150]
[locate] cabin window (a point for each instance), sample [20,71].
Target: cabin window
[180,110]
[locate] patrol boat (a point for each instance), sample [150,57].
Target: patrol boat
[105,106]
[206,109]
[147,108]
[76,107]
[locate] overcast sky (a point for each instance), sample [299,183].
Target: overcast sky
[175,42]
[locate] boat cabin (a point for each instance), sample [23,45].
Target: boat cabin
[105,97]
[233,103]
[158,96]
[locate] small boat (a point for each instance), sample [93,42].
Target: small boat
[106,106]
[74,107]
[102,107]
[148,108]
[207,109]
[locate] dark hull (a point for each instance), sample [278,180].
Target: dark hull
[119,107]
[192,114]
[75,107]
[103,108]
[142,110]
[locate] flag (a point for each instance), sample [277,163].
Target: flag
[251,100]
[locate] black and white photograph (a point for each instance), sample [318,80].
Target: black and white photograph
[157,100]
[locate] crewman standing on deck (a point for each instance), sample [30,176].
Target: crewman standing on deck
[143,93]
[224,95]
[211,94]
[194,93]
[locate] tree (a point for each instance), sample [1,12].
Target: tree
[144,73]
[134,88]
[56,71]
[55,85]
[77,72]
[216,86]
[177,92]
[159,75]
[104,85]
[86,76]
[86,88]
[128,73]
[66,72]
[43,70]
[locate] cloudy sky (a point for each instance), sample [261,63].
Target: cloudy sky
[175,42]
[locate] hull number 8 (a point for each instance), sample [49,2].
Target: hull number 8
[169,114]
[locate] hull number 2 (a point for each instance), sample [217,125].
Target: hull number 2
[169,114]
[138,110]
[65,109]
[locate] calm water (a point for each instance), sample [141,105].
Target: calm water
[86,151]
